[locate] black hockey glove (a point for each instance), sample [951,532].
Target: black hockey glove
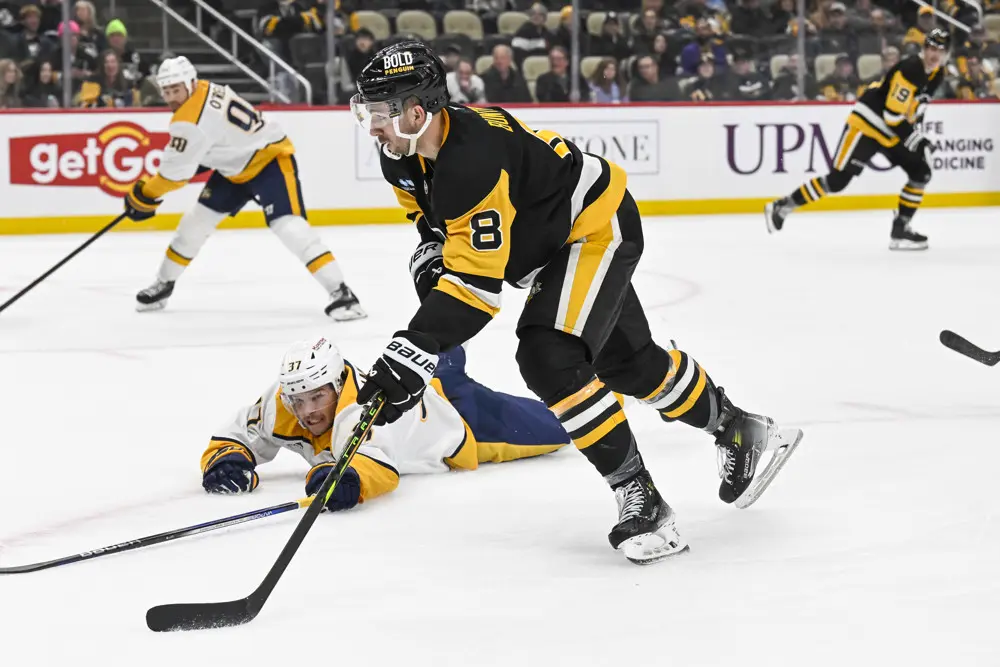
[402,373]
[426,266]
[231,470]
[138,206]
[345,495]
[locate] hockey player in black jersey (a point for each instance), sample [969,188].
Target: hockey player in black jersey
[886,119]
[495,201]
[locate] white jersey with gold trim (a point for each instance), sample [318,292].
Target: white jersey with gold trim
[218,129]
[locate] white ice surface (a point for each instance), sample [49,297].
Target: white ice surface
[877,545]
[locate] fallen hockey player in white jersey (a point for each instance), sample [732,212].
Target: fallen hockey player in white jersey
[214,128]
[312,411]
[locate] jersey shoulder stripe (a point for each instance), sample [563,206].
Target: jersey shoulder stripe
[191,110]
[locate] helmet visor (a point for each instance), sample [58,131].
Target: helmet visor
[373,115]
[311,408]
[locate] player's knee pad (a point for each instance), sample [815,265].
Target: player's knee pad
[552,363]
[194,229]
[298,236]
[637,374]
[837,180]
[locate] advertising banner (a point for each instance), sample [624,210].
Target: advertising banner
[68,171]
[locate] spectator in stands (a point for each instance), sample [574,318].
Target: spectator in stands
[280,20]
[978,44]
[862,10]
[748,18]
[745,83]
[882,23]
[705,86]
[890,58]
[837,36]
[82,64]
[10,85]
[705,42]
[464,85]
[646,85]
[666,58]
[819,17]
[86,16]
[659,8]
[782,13]
[355,58]
[133,66]
[843,83]
[926,21]
[42,90]
[786,85]
[649,26]
[31,45]
[504,84]
[51,15]
[451,57]
[610,42]
[563,35]
[605,86]
[977,84]
[532,38]
[554,85]
[108,86]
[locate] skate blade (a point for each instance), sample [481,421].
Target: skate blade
[347,314]
[907,245]
[769,219]
[790,439]
[151,307]
[653,547]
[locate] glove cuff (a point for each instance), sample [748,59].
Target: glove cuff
[140,201]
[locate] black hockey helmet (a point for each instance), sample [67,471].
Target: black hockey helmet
[401,71]
[938,38]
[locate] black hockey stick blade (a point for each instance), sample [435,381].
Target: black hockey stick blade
[200,616]
[962,346]
[204,616]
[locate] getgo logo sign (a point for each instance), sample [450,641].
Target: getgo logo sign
[111,159]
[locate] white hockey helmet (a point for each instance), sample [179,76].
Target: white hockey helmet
[176,70]
[307,366]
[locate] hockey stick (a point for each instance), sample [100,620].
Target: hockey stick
[962,346]
[65,259]
[161,537]
[203,615]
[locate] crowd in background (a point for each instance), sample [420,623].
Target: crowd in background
[516,51]
[104,69]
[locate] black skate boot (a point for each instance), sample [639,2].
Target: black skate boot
[904,238]
[344,306]
[646,531]
[742,439]
[155,296]
[776,212]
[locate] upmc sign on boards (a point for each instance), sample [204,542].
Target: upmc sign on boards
[679,158]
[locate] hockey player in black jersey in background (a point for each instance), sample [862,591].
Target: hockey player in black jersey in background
[496,202]
[886,119]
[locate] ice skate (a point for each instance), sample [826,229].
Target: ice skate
[775,214]
[344,306]
[904,238]
[743,439]
[646,530]
[155,296]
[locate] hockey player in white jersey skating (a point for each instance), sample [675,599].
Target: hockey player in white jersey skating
[213,127]
[312,410]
